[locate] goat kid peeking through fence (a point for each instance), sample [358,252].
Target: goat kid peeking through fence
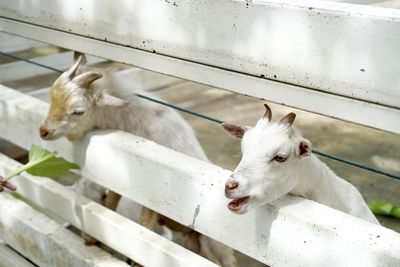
[276,160]
[84,99]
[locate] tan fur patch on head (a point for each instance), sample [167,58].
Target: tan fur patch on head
[60,101]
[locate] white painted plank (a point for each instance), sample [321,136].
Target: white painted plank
[351,110]
[22,70]
[358,2]
[289,232]
[149,80]
[10,43]
[340,48]
[138,78]
[41,94]
[119,233]
[388,4]
[10,258]
[44,241]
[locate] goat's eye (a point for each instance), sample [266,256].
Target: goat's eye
[279,158]
[78,112]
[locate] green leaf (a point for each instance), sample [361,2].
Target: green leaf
[380,207]
[395,212]
[44,163]
[37,153]
[54,166]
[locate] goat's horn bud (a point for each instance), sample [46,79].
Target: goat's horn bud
[288,119]
[268,113]
[85,79]
[79,54]
[71,72]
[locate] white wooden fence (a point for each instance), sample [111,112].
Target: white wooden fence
[329,58]
[313,55]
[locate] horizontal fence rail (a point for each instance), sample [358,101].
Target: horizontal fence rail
[287,57]
[41,239]
[289,232]
[135,75]
[14,70]
[10,258]
[119,233]
[17,43]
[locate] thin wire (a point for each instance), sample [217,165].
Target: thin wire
[356,164]
[182,109]
[320,153]
[31,62]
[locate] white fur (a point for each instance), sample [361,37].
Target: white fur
[264,179]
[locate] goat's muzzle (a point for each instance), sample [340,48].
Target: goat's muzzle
[44,133]
[230,186]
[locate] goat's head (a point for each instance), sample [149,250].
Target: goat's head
[73,101]
[267,170]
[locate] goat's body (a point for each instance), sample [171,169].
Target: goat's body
[318,182]
[151,121]
[141,117]
[154,122]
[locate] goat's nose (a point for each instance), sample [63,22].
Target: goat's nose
[230,185]
[44,133]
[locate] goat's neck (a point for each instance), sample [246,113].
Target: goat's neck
[319,183]
[122,118]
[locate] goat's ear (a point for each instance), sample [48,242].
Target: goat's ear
[85,79]
[106,100]
[303,148]
[268,113]
[234,130]
[288,119]
[71,72]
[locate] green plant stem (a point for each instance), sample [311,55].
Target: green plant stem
[29,165]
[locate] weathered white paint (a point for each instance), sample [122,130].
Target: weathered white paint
[45,242]
[339,48]
[387,3]
[119,233]
[20,69]
[149,80]
[11,43]
[10,258]
[290,232]
[316,101]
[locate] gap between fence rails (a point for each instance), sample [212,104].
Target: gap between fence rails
[320,153]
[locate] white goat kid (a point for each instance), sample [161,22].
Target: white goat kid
[277,160]
[79,105]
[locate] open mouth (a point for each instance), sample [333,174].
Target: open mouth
[238,203]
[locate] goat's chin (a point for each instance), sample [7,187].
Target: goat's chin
[74,135]
[241,211]
[53,136]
